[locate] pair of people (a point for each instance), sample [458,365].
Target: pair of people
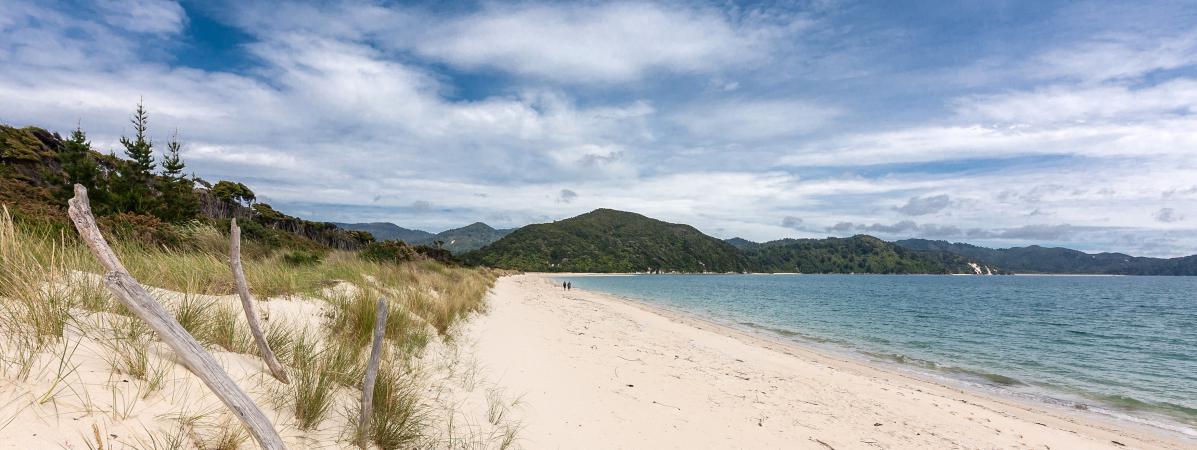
[566,285]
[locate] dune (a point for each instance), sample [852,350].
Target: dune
[79,392]
[595,371]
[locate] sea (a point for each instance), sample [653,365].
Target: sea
[1124,346]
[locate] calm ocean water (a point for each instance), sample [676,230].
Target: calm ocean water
[1125,346]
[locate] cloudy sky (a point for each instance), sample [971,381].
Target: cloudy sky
[997,123]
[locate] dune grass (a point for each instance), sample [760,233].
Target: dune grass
[49,283]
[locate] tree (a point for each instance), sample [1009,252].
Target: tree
[232,192]
[179,202]
[132,188]
[81,168]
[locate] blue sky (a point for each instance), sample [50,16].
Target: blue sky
[996,123]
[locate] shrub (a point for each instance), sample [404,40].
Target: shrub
[302,258]
[141,228]
[388,251]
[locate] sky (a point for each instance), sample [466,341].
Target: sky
[998,123]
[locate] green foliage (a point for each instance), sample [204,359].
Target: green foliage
[857,254]
[385,231]
[613,241]
[465,239]
[233,192]
[80,167]
[141,228]
[302,258]
[132,187]
[606,240]
[1036,259]
[388,251]
[179,202]
[457,241]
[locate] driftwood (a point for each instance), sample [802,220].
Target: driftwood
[380,328]
[247,303]
[193,356]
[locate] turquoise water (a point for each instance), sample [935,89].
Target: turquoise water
[1126,346]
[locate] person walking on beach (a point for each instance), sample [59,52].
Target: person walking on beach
[569,285]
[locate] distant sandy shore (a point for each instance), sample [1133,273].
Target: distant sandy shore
[596,371]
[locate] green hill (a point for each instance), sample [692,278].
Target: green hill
[1036,259]
[606,240]
[457,240]
[857,254]
[468,238]
[35,183]
[386,231]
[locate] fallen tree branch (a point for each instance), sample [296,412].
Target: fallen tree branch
[193,356]
[247,303]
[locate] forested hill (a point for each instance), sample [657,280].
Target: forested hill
[606,240]
[470,237]
[457,240]
[386,231]
[856,254]
[145,196]
[1036,259]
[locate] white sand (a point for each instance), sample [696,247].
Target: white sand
[594,371]
[69,397]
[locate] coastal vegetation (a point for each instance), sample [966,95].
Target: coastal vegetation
[457,240]
[1037,259]
[856,254]
[607,240]
[69,349]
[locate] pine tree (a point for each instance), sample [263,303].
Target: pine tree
[134,178]
[179,202]
[81,168]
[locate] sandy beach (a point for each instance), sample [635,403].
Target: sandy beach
[595,371]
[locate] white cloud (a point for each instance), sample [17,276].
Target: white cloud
[1068,103]
[1119,56]
[754,120]
[603,42]
[144,16]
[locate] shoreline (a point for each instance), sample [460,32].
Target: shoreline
[846,386]
[777,340]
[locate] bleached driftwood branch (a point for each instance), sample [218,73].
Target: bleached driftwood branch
[193,356]
[247,303]
[380,326]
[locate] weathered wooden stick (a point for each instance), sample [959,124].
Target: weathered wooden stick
[247,303]
[380,328]
[193,356]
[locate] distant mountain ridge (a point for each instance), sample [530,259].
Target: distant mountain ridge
[607,240]
[1036,259]
[386,231]
[856,254]
[456,240]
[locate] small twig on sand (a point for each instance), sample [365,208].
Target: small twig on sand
[823,443]
[662,404]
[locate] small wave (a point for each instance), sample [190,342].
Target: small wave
[988,378]
[787,333]
[1181,413]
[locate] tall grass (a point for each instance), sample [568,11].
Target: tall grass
[318,370]
[399,416]
[33,302]
[48,281]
